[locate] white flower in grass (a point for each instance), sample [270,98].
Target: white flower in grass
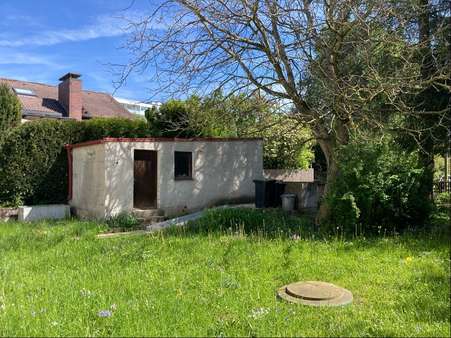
[259,312]
[86,293]
[54,323]
[113,307]
[105,313]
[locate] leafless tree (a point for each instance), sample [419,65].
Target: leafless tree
[332,61]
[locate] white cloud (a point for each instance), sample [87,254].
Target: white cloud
[105,26]
[19,58]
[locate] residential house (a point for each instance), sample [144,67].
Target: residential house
[137,107]
[67,100]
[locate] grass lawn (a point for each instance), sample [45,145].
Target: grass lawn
[59,279]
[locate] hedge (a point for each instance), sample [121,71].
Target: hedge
[33,161]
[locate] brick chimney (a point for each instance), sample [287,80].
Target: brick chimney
[69,95]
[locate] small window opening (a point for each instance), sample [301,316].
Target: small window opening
[24,91]
[183,168]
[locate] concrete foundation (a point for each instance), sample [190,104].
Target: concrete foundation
[39,212]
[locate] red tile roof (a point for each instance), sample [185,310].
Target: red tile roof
[95,104]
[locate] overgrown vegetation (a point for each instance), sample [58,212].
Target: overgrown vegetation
[124,221]
[266,222]
[33,161]
[10,110]
[340,68]
[287,145]
[57,279]
[378,187]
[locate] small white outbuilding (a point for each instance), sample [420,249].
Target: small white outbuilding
[171,175]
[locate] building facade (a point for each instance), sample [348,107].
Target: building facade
[111,176]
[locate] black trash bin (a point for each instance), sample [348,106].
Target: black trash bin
[279,189]
[264,193]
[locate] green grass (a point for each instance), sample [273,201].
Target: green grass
[56,277]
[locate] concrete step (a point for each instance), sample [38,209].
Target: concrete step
[147,213]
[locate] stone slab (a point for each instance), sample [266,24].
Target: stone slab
[39,212]
[315,293]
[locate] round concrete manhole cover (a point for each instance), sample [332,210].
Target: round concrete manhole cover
[315,293]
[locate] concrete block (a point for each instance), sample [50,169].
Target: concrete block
[8,214]
[38,212]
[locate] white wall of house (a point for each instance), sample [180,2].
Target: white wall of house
[88,181]
[222,171]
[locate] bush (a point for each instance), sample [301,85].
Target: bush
[123,221]
[33,161]
[378,186]
[10,110]
[172,119]
[443,198]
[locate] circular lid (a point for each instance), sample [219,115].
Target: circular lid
[313,290]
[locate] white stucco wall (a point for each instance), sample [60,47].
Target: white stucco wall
[88,181]
[222,171]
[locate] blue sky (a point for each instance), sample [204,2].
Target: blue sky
[41,40]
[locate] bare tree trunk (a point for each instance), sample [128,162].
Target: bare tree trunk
[329,149]
[330,145]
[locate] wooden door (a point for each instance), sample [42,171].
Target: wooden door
[145,179]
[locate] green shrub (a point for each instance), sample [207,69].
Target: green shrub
[123,220]
[99,128]
[33,161]
[378,186]
[267,222]
[10,110]
[172,119]
[443,198]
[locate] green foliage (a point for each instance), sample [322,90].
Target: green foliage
[215,284]
[378,185]
[346,211]
[113,127]
[285,141]
[124,220]
[286,145]
[250,221]
[10,110]
[33,161]
[172,119]
[443,198]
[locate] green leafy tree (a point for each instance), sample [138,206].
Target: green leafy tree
[287,145]
[172,119]
[361,56]
[379,185]
[10,109]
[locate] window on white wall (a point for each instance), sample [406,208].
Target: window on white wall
[183,165]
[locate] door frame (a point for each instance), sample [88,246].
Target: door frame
[154,177]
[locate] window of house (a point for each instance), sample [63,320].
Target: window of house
[183,167]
